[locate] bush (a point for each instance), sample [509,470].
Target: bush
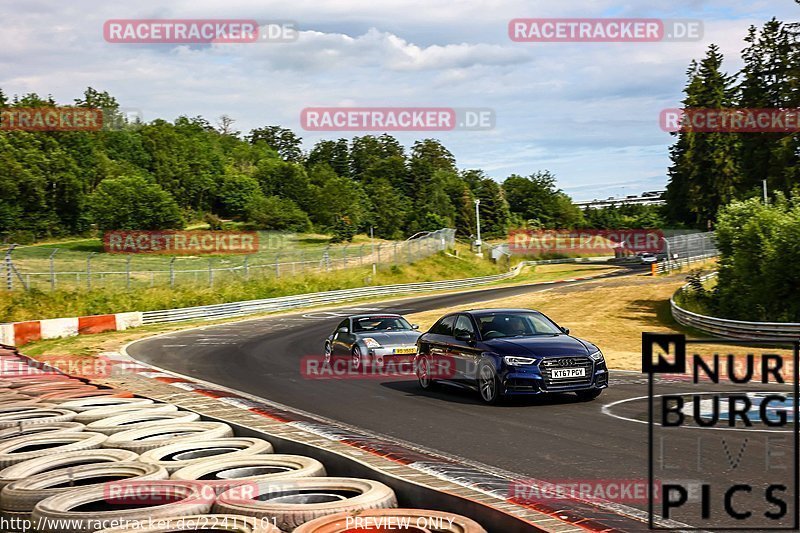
[133,203]
[759,277]
[275,213]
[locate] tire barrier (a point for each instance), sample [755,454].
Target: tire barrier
[408,520]
[65,396]
[63,442]
[23,448]
[18,498]
[253,468]
[23,429]
[176,456]
[140,419]
[34,414]
[144,439]
[217,522]
[99,402]
[42,389]
[91,415]
[63,513]
[48,463]
[292,502]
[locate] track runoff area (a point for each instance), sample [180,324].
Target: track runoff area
[708,443]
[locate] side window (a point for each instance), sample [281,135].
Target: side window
[344,324]
[444,326]
[464,327]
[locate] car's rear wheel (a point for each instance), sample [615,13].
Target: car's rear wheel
[488,384]
[588,395]
[424,374]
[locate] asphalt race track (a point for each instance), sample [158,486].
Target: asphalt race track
[553,439]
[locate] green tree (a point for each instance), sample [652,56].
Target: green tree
[275,213]
[237,193]
[133,203]
[282,140]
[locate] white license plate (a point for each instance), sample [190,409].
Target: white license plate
[564,373]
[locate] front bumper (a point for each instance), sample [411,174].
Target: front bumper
[529,380]
[384,354]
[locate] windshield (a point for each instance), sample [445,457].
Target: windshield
[499,325]
[380,323]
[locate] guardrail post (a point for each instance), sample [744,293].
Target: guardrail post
[53,270]
[379,252]
[89,270]
[7,262]
[172,271]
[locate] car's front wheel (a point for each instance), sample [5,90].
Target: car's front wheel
[356,360]
[488,384]
[588,395]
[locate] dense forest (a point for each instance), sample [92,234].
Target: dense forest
[711,169]
[163,175]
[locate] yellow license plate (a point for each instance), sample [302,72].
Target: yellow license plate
[405,350]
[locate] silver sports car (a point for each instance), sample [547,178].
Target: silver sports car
[371,339]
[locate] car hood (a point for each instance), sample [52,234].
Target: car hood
[391,338]
[544,346]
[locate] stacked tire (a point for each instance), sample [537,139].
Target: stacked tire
[78,458]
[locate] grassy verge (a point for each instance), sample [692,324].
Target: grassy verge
[35,304]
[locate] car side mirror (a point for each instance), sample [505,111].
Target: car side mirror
[342,330]
[465,337]
[565,330]
[414,326]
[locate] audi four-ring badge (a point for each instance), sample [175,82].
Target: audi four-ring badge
[505,352]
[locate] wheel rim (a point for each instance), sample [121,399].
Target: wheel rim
[487,384]
[423,374]
[356,357]
[327,355]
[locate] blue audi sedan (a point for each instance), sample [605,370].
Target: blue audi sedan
[505,352]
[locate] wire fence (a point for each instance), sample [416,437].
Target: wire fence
[685,249]
[44,268]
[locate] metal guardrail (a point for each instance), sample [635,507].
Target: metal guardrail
[210,312]
[732,329]
[249,307]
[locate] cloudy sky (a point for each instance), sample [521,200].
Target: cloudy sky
[588,112]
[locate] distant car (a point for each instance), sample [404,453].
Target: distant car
[647,258]
[371,339]
[504,352]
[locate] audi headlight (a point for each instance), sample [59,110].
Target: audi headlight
[597,356]
[371,343]
[518,361]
